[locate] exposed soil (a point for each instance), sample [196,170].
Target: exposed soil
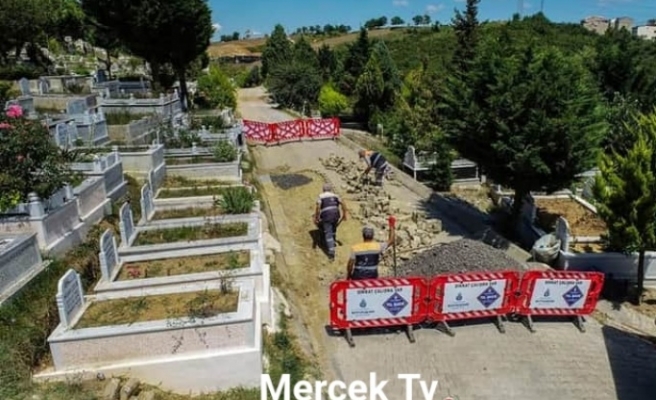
[582,221]
[155,308]
[647,305]
[191,233]
[191,212]
[182,182]
[476,195]
[189,160]
[184,265]
[587,248]
[195,191]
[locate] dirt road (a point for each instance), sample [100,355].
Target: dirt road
[478,363]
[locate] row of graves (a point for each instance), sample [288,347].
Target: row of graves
[184,286]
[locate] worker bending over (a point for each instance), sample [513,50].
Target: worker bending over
[327,217]
[375,161]
[366,256]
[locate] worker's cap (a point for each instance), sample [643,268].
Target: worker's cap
[327,187]
[368,232]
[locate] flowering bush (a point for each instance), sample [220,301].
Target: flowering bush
[29,160]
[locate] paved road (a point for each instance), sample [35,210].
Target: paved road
[557,362]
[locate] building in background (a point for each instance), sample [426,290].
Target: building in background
[647,32]
[622,22]
[596,24]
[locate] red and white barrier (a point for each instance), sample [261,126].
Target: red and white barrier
[257,132]
[472,295]
[559,293]
[290,131]
[377,303]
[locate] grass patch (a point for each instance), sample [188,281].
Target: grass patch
[161,307]
[192,212]
[184,265]
[190,160]
[237,200]
[191,233]
[123,117]
[195,191]
[182,182]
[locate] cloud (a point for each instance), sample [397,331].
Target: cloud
[216,26]
[434,8]
[400,3]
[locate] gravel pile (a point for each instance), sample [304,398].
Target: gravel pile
[461,256]
[290,181]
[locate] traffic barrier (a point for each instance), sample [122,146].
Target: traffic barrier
[290,131]
[560,294]
[257,132]
[472,295]
[327,128]
[377,303]
[287,131]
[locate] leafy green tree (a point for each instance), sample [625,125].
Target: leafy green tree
[418,19]
[466,29]
[328,62]
[390,75]
[625,190]
[355,61]
[304,53]
[369,90]
[254,78]
[525,122]
[426,19]
[175,32]
[29,160]
[396,20]
[331,102]
[295,85]
[215,90]
[277,50]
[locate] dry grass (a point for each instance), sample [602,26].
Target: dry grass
[647,305]
[478,196]
[582,221]
[250,46]
[182,182]
[184,265]
[192,212]
[191,233]
[189,160]
[156,308]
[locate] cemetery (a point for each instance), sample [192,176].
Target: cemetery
[202,336]
[109,168]
[20,261]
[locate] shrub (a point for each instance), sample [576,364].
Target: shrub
[215,90]
[215,122]
[7,92]
[236,200]
[331,102]
[224,151]
[29,160]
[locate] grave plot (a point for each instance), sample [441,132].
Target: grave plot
[177,267]
[20,261]
[181,234]
[177,182]
[234,200]
[187,338]
[107,166]
[222,160]
[583,221]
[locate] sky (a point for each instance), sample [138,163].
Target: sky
[260,16]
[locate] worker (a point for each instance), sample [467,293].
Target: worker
[327,217]
[365,256]
[376,161]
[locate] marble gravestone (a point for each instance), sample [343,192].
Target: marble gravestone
[126,225]
[108,256]
[70,298]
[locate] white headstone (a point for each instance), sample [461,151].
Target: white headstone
[24,86]
[44,86]
[72,133]
[151,180]
[562,232]
[77,106]
[70,298]
[61,135]
[108,255]
[147,203]
[126,224]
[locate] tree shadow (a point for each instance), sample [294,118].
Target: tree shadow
[632,361]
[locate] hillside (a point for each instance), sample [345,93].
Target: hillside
[250,46]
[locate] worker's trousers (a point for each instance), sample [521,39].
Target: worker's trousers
[381,173]
[329,230]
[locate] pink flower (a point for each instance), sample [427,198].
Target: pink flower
[4,125]
[14,111]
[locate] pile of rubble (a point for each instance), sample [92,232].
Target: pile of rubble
[415,231]
[461,256]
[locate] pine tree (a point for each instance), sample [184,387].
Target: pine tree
[369,90]
[277,49]
[625,191]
